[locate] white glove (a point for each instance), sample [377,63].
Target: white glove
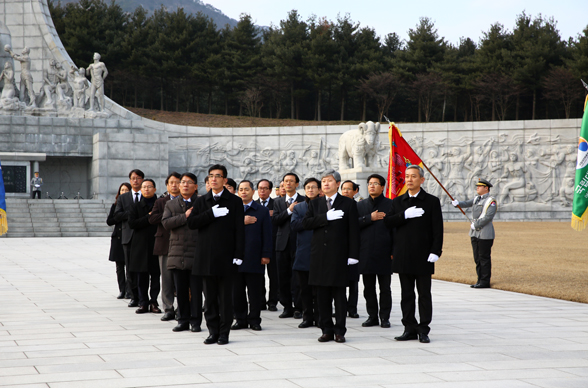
[351,261]
[413,212]
[455,202]
[237,261]
[333,215]
[432,258]
[37,185]
[219,211]
[473,226]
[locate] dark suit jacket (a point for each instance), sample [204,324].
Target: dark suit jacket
[303,238]
[376,238]
[123,206]
[141,256]
[333,242]
[220,240]
[281,221]
[162,235]
[416,238]
[258,239]
[116,250]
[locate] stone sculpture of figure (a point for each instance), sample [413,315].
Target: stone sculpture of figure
[79,84]
[50,81]
[480,162]
[556,159]
[514,189]
[436,166]
[62,84]
[566,192]
[456,163]
[315,165]
[361,145]
[26,78]
[98,73]
[8,99]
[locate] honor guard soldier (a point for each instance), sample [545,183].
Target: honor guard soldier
[482,231]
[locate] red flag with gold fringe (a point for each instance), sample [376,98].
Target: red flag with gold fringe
[401,156]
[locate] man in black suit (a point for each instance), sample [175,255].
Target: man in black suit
[123,207]
[376,249]
[418,241]
[286,245]
[258,250]
[264,189]
[334,246]
[218,215]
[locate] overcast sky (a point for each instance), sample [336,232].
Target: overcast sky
[453,18]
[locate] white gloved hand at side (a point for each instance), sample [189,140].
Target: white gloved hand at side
[333,215]
[413,212]
[473,226]
[237,261]
[351,261]
[455,202]
[432,258]
[219,211]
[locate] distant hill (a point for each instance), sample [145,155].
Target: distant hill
[190,6]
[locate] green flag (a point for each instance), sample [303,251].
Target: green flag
[580,207]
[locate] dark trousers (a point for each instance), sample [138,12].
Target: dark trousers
[148,293]
[121,277]
[272,274]
[36,193]
[353,288]
[407,302]
[248,286]
[131,279]
[289,290]
[371,299]
[186,284]
[325,296]
[307,297]
[218,304]
[482,250]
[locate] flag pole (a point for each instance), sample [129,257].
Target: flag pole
[437,180]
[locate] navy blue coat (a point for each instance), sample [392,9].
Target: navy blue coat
[258,239]
[303,238]
[376,238]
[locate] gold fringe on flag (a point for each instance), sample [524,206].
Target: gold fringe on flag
[3,222]
[580,223]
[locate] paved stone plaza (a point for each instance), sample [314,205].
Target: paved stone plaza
[61,326]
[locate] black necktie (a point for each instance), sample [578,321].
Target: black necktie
[216,198]
[265,203]
[136,197]
[329,206]
[477,200]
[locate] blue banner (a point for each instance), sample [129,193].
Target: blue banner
[3,221]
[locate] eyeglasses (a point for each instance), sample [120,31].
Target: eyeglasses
[148,187]
[217,176]
[137,178]
[187,183]
[374,184]
[263,188]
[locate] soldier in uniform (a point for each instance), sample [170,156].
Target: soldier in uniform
[482,232]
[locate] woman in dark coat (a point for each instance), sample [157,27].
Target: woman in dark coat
[116,249]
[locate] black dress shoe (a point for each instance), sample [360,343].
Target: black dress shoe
[287,314]
[223,340]
[326,338]
[142,310]
[305,324]
[353,315]
[406,336]
[128,296]
[385,324]
[371,322]
[133,303]
[121,295]
[238,326]
[272,307]
[181,327]
[195,328]
[211,339]
[339,338]
[154,309]
[424,338]
[256,327]
[168,316]
[297,315]
[479,285]
[474,285]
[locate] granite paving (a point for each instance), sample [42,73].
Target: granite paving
[62,326]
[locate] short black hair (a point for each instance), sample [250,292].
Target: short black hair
[247,181]
[293,174]
[318,183]
[175,175]
[231,182]
[206,179]
[138,172]
[378,177]
[271,185]
[355,186]
[219,167]
[191,176]
[149,180]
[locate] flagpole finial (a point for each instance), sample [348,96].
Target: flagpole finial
[388,120]
[583,83]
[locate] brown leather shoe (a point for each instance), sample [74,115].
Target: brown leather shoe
[339,338]
[142,310]
[155,309]
[325,338]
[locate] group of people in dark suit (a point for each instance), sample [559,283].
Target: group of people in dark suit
[313,246]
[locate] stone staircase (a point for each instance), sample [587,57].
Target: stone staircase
[57,218]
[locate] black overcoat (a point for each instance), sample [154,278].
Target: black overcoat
[220,240]
[116,249]
[123,207]
[376,238]
[281,221]
[333,242]
[258,240]
[141,257]
[303,238]
[162,235]
[416,238]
